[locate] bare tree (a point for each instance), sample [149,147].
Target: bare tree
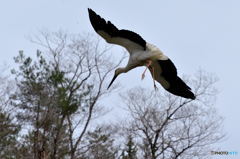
[170,127]
[100,143]
[59,96]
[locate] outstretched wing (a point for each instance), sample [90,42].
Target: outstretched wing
[128,39]
[166,74]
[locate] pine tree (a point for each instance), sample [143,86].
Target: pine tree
[130,152]
[8,135]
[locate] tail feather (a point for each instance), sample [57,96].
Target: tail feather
[180,88]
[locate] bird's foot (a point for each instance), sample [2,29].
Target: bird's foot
[155,87]
[143,76]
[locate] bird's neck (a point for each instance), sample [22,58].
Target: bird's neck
[126,69]
[123,70]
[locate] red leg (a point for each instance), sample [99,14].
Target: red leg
[154,83]
[148,64]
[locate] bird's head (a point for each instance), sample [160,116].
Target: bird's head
[118,71]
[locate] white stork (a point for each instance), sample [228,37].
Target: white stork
[142,54]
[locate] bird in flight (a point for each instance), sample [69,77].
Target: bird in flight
[141,53]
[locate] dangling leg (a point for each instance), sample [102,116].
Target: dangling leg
[154,83]
[143,74]
[148,64]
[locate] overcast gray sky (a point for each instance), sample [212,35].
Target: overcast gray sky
[193,33]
